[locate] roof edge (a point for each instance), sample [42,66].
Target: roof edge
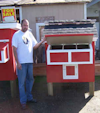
[92,3]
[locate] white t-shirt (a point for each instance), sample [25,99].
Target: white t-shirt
[24,42]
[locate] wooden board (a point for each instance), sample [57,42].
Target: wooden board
[69,39]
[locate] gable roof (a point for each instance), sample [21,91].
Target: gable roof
[49,1]
[6,2]
[93,2]
[25,2]
[70,27]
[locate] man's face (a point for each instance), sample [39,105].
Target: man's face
[25,26]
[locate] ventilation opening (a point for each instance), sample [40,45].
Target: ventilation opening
[56,47]
[82,46]
[70,47]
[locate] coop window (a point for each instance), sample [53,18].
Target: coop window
[56,47]
[83,46]
[69,46]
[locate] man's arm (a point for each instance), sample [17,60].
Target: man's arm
[16,58]
[38,44]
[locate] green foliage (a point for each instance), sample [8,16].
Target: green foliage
[39,79]
[97,77]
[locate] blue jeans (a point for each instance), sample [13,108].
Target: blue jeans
[25,77]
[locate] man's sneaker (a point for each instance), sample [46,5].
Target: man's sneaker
[23,106]
[32,101]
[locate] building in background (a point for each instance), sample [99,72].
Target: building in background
[93,12]
[39,11]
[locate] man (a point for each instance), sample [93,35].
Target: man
[23,43]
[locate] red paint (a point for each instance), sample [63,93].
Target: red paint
[55,73]
[59,57]
[70,70]
[2,46]
[80,56]
[86,72]
[8,69]
[0,55]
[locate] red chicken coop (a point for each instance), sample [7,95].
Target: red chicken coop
[70,52]
[7,61]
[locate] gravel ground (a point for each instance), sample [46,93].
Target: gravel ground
[68,98]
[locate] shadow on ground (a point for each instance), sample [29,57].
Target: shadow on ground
[68,98]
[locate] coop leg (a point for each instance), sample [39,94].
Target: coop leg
[13,88]
[50,89]
[91,88]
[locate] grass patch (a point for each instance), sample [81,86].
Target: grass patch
[39,79]
[97,77]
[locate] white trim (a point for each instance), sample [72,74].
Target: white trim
[5,40]
[37,30]
[91,54]
[67,63]
[8,52]
[3,57]
[15,26]
[20,12]
[48,55]
[85,11]
[67,77]
[69,51]
[69,56]
[10,7]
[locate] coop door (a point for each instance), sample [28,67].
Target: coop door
[70,71]
[4,52]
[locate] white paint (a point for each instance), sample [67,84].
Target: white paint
[67,77]
[85,11]
[97,42]
[48,55]
[3,57]
[15,26]
[70,51]
[37,30]
[69,56]
[7,53]
[5,40]
[91,53]
[20,12]
[11,7]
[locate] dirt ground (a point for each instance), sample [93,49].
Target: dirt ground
[68,98]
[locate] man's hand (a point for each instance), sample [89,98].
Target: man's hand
[44,39]
[38,44]
[19,66]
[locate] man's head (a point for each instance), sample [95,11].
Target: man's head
[25,25]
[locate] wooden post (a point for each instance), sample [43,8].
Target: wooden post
[50,89]
[91,88]
[13,88]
